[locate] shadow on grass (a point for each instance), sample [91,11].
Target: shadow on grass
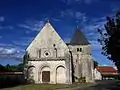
[11,81]
[115,86]
[106,85]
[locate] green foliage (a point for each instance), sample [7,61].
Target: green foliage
[10,68]
[110,39]
[2,68]
[95,64]
[25,58]
[30,81]
[82,80]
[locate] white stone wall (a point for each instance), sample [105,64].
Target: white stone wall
[45,40]
[53,66]
[97,75]
[82,62]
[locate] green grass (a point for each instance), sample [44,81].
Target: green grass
[41,87]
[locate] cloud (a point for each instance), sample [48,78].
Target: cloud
[33,25]
[6,27]
[2,18]
[11,52]
[24,41]
[95,45]
[56,19]
[68,2]
[95,23]
[7,50]
[14,50]
[66,40]
[73,14]
[6,45]
[81,16]
[90,28]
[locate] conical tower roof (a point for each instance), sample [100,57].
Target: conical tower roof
[79,38]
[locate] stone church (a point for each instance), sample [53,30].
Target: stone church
[49,59]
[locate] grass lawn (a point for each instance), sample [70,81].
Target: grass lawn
[42,86]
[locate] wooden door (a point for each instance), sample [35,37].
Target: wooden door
[46,76]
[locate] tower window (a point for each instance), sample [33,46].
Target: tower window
[79,49]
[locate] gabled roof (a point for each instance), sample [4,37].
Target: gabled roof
[106,69]
[79,38]
[46,38]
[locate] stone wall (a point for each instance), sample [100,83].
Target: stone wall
[82,62]
[58,70]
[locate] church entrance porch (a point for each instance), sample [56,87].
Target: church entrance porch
[52,72]
[45,75]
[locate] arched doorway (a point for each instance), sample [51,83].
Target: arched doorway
[45,74]
[60,74]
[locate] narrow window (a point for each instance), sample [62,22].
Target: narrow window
[80,49]
[53,45]
[39,53]
[77,49]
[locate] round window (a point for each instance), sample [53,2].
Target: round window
[46,53]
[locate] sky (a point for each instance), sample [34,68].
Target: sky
[21,20]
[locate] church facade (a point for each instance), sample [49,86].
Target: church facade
[49,59]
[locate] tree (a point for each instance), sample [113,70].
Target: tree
[110,39]
[95,64]
[2,68]
[25,58]
[20,67]
[8,68]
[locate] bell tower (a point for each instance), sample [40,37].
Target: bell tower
[80,49]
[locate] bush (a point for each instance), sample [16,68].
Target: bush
[30,81]
[82,80]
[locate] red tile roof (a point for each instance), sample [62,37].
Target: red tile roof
[106,69]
